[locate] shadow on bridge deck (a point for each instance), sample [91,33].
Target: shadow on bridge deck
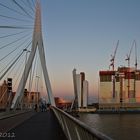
[42,126]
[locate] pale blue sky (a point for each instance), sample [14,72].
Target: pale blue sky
[82,34]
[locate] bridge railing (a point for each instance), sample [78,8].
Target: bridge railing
[75,129]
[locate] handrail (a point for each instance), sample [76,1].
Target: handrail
[74,129]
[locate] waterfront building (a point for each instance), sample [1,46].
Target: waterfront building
[80,89]
[119,88]
[82,74]
[6,96]
[85,93]
[78,86]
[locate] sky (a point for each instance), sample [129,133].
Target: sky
[83,34]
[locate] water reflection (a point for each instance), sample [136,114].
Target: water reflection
[117,126]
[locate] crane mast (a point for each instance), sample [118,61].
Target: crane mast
[129,55]
[128,58]
[113,67]
[136,63]
[112,60]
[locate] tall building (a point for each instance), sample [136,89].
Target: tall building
[75,102]
[119,88]
[85,93]
[80,89]
[82,74]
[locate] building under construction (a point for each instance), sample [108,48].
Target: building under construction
[120,88]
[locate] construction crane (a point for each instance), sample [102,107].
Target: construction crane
[128,59]
[129,55]
[113,57]
[136,63]
[113,68]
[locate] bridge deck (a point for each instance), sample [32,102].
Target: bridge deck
[42,126]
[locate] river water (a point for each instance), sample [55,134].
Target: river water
[116,126]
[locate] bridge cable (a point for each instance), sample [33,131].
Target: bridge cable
[13,10]
[29,5]
[30,76]
[18,60]
[10,66]
[15,27]
[19,75]
[29,11]
[7,60]
[22,8]
[32,7]
[14,18]
[13,42]
[12,34]
[33,71]
[14,74]
[14,50]
[33,3]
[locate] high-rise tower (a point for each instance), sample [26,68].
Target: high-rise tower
[80,89]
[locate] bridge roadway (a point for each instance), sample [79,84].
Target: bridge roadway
[41,126]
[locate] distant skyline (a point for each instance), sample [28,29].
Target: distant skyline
[82,34]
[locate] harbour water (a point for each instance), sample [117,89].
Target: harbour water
[116,126]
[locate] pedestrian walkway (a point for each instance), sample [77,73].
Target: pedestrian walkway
[12,119]
[42,126]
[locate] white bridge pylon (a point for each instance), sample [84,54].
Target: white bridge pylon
[37,41]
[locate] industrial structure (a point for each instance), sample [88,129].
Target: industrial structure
[120,88]
[80,90]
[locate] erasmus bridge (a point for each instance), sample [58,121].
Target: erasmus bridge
[22,60]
